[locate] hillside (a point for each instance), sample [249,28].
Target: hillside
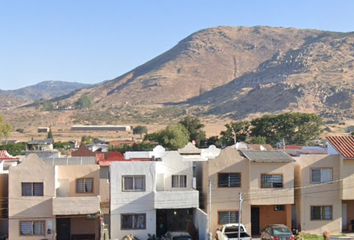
[42,90]
[227,73]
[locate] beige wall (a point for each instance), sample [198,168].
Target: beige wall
[32,169]
[226,199]
[267,196]
[348,179]
[69,173]
[80,225]
[310,194]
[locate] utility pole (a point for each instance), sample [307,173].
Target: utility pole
[210,234]
[234,136]
[239,216]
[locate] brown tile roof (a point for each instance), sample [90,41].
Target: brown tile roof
[343,144]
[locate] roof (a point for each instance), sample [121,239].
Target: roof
[4,155]
[266,156]
[343,144]
[45,141]
[260,146]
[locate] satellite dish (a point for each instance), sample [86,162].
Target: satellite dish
[262,148]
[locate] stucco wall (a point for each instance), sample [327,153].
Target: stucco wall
[32,169]
[267,196]
[320,194]
[226,199]
[348,179]
[69,173]
[132,202]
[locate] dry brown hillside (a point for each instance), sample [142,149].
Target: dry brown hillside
[228,73]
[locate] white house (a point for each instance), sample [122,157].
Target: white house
[152,195]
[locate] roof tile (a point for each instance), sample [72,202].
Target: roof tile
[343,144]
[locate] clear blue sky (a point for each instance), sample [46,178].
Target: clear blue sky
[92,41]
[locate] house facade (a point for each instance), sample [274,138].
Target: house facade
[324,186]
[53,201]
[265,181]
[151,195]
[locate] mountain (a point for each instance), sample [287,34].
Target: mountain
[242,71]
[42,90]
[232,72]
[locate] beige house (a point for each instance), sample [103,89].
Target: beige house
[325,188]
[265,179]
[53,201]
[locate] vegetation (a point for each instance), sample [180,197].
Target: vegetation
[235,132]
[140,130]
[294,128]
[14,148]
[50,134]
[144,146]
[172,137]
[194,128]
[84,102]
[5,128]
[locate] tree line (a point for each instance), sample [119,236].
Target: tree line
[291,128]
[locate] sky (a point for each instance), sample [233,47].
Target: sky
[90,41]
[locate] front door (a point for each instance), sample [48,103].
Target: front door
[255,221]
[63,228]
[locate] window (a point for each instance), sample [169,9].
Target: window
[32,189]
[179,181]
[133,183]
[133,221]
[279,208]
[272,181]
[226,217]
[229,180]
[321,213]
[32,228]
[84,185]
[322,175]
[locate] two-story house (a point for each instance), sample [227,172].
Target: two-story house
[54,199]
[324,188]
[152,195]
[265,180]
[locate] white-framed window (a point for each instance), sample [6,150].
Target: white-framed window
[321,212]
[179,181]
[32,228]
[321,175]
[32,189]
[229,180]
[84,185]
[133,183]
[225,217]
[272,181]
[133,221]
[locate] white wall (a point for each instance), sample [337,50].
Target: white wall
[132,202]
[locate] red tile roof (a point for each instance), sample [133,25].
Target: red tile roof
[343,144]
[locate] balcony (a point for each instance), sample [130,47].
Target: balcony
[76,205]
[176,199]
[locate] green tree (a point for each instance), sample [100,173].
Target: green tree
[50,133]
[294,128]
[235,131]
[5,128]
[195,129]
[258,140]
[14,148]
[173,137]
[140,130]
[84,101]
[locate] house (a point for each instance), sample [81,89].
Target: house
[52,198]
[152,195]
[262,179]
[43,148]
[324,188]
